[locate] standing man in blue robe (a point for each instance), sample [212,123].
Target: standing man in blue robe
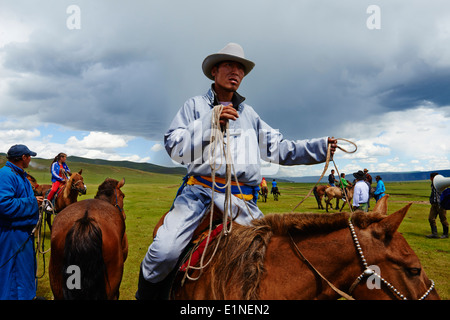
[19,214]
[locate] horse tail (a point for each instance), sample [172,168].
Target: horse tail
[83,249]
[315,192]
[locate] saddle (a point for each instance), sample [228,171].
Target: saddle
[56,195]
[194,250]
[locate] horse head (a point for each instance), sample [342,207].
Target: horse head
[400,273]
[76,182]
[110,191]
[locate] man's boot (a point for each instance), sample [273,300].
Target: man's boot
[445,235]
[147,290]
[434,234]
[155,291]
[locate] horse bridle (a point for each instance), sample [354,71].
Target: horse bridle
[369,272]
[365,274]
[74,186]
[117,201]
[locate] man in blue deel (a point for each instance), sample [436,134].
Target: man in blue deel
[19,215]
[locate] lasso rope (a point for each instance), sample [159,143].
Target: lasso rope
[40,243]
[326,168]
[218,148]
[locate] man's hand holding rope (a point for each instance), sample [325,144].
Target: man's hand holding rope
[228,113]
[332,142]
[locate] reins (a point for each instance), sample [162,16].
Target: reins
[332,286]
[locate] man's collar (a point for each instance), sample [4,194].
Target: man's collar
[16,168]
[236,100]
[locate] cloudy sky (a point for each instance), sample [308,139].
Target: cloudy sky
[103,79]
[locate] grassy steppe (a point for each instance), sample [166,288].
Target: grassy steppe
[149,195]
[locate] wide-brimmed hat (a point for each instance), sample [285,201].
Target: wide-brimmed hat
[359,175]
[19,150]
[231,52]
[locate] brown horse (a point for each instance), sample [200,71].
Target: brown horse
[281,255]
[264,192]
[38,189]
[73,187]
[337,193]
[319,192]
[68,194]
[90,235]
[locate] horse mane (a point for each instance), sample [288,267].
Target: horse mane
[106,189]
[68,187]
[242,252]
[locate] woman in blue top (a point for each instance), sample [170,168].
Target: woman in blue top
[59,171]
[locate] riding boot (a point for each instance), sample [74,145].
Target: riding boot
[154,291]
[445,235]
[434,233]
[148,290]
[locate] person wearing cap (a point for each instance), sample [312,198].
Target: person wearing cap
[19,214]
[360,192]
[187,142]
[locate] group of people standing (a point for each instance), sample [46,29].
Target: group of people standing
[362,188]
[361,196]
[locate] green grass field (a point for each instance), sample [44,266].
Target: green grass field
[149,195]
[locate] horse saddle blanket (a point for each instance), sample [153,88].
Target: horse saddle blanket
[56,195]
[198,247]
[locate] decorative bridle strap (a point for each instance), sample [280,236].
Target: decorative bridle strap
[332,286]
[366,273]
[369,272]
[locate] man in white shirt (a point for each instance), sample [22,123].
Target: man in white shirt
[361,192]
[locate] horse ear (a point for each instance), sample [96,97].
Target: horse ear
[81,170]
[389,225]
[381,205]
[121,183]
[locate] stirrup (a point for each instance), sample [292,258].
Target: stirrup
[48,206]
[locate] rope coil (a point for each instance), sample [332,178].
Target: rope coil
[218,149]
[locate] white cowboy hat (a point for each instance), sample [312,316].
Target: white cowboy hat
[231,52]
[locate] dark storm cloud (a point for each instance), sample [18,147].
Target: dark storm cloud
[131,66]
[429,86]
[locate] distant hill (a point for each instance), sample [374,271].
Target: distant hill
[386,176]
[148,167]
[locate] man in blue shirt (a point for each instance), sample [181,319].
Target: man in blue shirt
[19,215]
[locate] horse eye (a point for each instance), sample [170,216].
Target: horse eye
[414,271]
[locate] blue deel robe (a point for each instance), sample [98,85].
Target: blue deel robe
[19,213]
